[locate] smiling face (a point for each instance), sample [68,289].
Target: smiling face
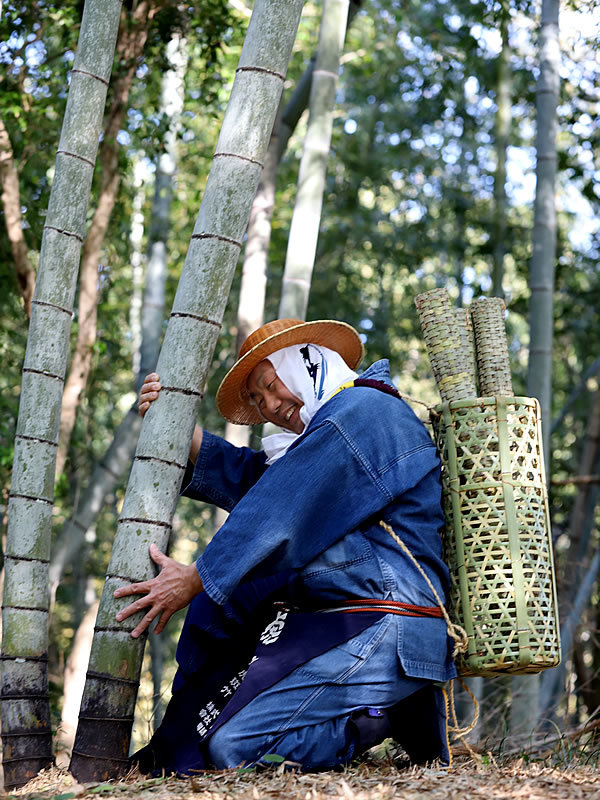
[273,399]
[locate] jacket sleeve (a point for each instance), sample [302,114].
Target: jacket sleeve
[222,473]
[298,509]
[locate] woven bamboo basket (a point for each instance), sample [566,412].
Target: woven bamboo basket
[497,539]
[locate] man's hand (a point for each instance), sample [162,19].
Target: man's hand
[148,393]
[173,588]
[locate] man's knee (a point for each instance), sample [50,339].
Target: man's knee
[228,747]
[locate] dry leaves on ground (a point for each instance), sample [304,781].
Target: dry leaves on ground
[368,781]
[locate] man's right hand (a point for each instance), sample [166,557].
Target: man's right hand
[148,392]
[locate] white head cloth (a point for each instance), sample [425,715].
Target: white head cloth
[312,373]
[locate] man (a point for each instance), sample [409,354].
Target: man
[357,650]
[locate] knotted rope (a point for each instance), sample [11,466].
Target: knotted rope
[461,643]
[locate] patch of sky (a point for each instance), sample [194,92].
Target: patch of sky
[469,275]
[350,126]
[583,126]
[587,225]
[453,22]
[123,138]
[434,139]
[15,40]
[520,175]
[451,152]
[417,144]
[394,139]
[411,96]
[429,189]
[414,75]
[367,324]
[412,210]
[404,41]
[485,281]
[135,118]
[35,54]
[371,99]
[488,39]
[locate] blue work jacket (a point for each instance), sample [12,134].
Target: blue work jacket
[314,516]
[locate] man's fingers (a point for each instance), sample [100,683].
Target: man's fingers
[145,623]
[134,608]
[133,588]
[158,556]
[160,625]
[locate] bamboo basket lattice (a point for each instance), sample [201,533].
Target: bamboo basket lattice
[497,539]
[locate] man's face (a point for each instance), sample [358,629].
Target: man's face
[273,399]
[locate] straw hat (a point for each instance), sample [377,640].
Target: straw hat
[233,400]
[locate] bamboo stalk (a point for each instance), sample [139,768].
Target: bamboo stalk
[304,229]
[102,741]
[26,732]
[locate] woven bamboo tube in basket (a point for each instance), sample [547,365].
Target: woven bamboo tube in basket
[467,341]
[444,346]
[497,538]
[493,364]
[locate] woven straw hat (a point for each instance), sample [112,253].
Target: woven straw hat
[233,400]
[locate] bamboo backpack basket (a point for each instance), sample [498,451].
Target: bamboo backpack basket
[497,538]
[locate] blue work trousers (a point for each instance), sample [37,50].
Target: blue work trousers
[304,717]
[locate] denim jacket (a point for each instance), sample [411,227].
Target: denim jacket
[314,514]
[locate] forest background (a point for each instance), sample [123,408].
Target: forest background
[416,197]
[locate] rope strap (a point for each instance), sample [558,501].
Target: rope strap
[461,643]
[455,632]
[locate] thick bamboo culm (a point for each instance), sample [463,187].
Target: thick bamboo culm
[467,340]
[442,339]
[493,365]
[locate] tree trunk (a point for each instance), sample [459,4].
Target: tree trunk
[11,204]
[136,259]
[541,317]
[304,229]
[130,45]
[102,741]
[524,708]
[26,734]
[554,679]
[579,544]
[74,683]
[503,120]
[581,525]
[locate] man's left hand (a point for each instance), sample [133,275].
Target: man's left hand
[173,588]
